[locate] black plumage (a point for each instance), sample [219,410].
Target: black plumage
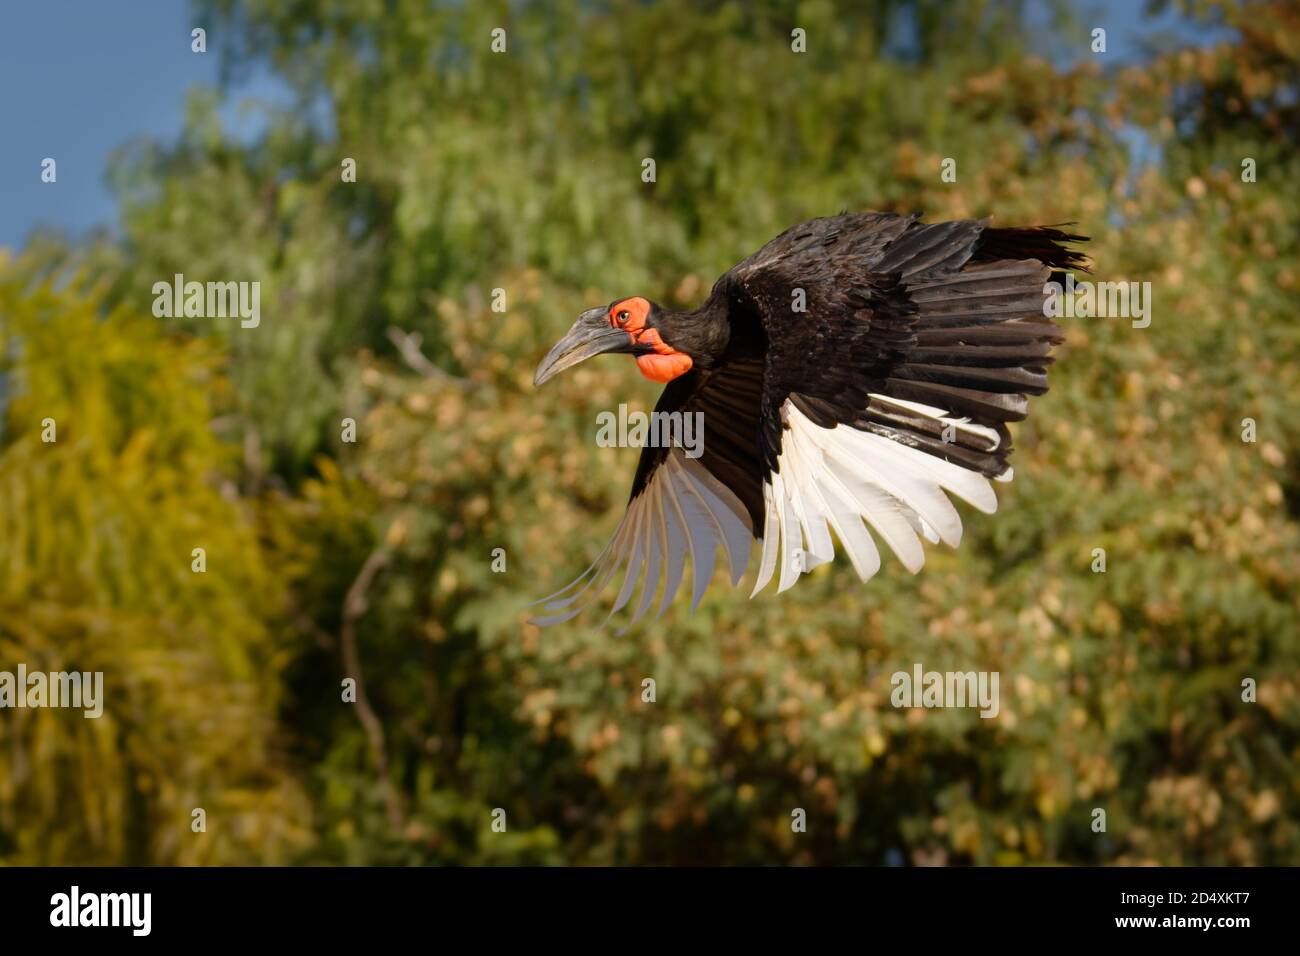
[931,336]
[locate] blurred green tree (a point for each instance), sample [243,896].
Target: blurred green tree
[99,526]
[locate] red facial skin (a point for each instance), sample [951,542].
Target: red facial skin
[667,363]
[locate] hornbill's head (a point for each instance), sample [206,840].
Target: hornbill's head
[659,339]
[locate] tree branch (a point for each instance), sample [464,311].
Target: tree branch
[355,605]
[408,346]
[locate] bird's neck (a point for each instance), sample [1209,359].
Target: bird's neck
[703,332]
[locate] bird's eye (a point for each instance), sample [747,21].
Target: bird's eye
[622,316]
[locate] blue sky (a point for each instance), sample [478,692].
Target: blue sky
[80,77]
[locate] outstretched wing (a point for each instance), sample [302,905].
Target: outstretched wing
[897,352]
[682,505]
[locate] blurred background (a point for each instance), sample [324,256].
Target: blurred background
[373,559]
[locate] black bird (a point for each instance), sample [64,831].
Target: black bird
[855,367]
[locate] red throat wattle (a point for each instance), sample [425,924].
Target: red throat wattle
[667,363]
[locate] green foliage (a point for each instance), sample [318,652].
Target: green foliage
[98,527]
[521,171]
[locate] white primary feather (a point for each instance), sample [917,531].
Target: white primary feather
[842,476]
[826,479]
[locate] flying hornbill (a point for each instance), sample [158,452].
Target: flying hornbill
[916,344]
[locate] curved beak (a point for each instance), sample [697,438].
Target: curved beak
[590,335]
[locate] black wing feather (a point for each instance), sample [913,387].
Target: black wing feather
[730,399]
[945,314]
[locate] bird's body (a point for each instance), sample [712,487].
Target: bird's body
[855,367]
